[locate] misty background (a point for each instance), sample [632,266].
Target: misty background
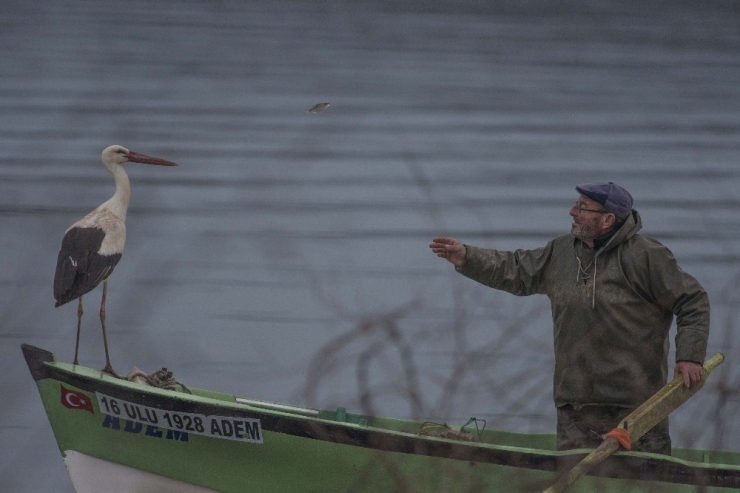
[287,257]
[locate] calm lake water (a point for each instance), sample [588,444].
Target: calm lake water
[286,258]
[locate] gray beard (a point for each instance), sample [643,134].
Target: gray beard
[583,234]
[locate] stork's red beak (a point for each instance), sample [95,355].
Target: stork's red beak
[135,157]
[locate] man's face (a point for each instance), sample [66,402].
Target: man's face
[588,218]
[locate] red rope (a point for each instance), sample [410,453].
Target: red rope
[622,436]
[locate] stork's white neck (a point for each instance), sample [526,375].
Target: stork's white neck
[118,203]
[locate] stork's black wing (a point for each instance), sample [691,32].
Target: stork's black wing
[79,266]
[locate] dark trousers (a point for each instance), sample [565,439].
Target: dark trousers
[583,428]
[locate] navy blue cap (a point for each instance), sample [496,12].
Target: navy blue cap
[614,198]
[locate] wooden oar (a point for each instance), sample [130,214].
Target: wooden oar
[639,422]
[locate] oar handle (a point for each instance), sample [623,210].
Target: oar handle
[661,404]
[713,362]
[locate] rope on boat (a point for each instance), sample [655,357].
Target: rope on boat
[446,432]
[162,379]
[477,430]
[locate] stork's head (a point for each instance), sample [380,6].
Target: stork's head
[117,155]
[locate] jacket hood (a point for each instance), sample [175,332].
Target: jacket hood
[631,226]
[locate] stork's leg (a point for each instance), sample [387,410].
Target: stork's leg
[79,323]
[108,368]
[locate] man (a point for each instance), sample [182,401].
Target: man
[613,295]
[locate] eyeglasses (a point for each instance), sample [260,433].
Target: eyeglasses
[579,208]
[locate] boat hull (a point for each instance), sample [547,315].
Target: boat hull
[214,442]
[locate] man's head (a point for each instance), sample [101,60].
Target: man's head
[601,207]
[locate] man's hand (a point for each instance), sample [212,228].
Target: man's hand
[449,249]
[692,373]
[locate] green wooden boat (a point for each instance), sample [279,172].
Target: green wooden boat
[117,435]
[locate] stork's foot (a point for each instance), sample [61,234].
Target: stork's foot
[109,370]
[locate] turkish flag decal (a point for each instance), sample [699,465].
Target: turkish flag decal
[76,400]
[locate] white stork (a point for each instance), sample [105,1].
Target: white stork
[92,246]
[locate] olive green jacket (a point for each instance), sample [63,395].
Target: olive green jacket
[611,318]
